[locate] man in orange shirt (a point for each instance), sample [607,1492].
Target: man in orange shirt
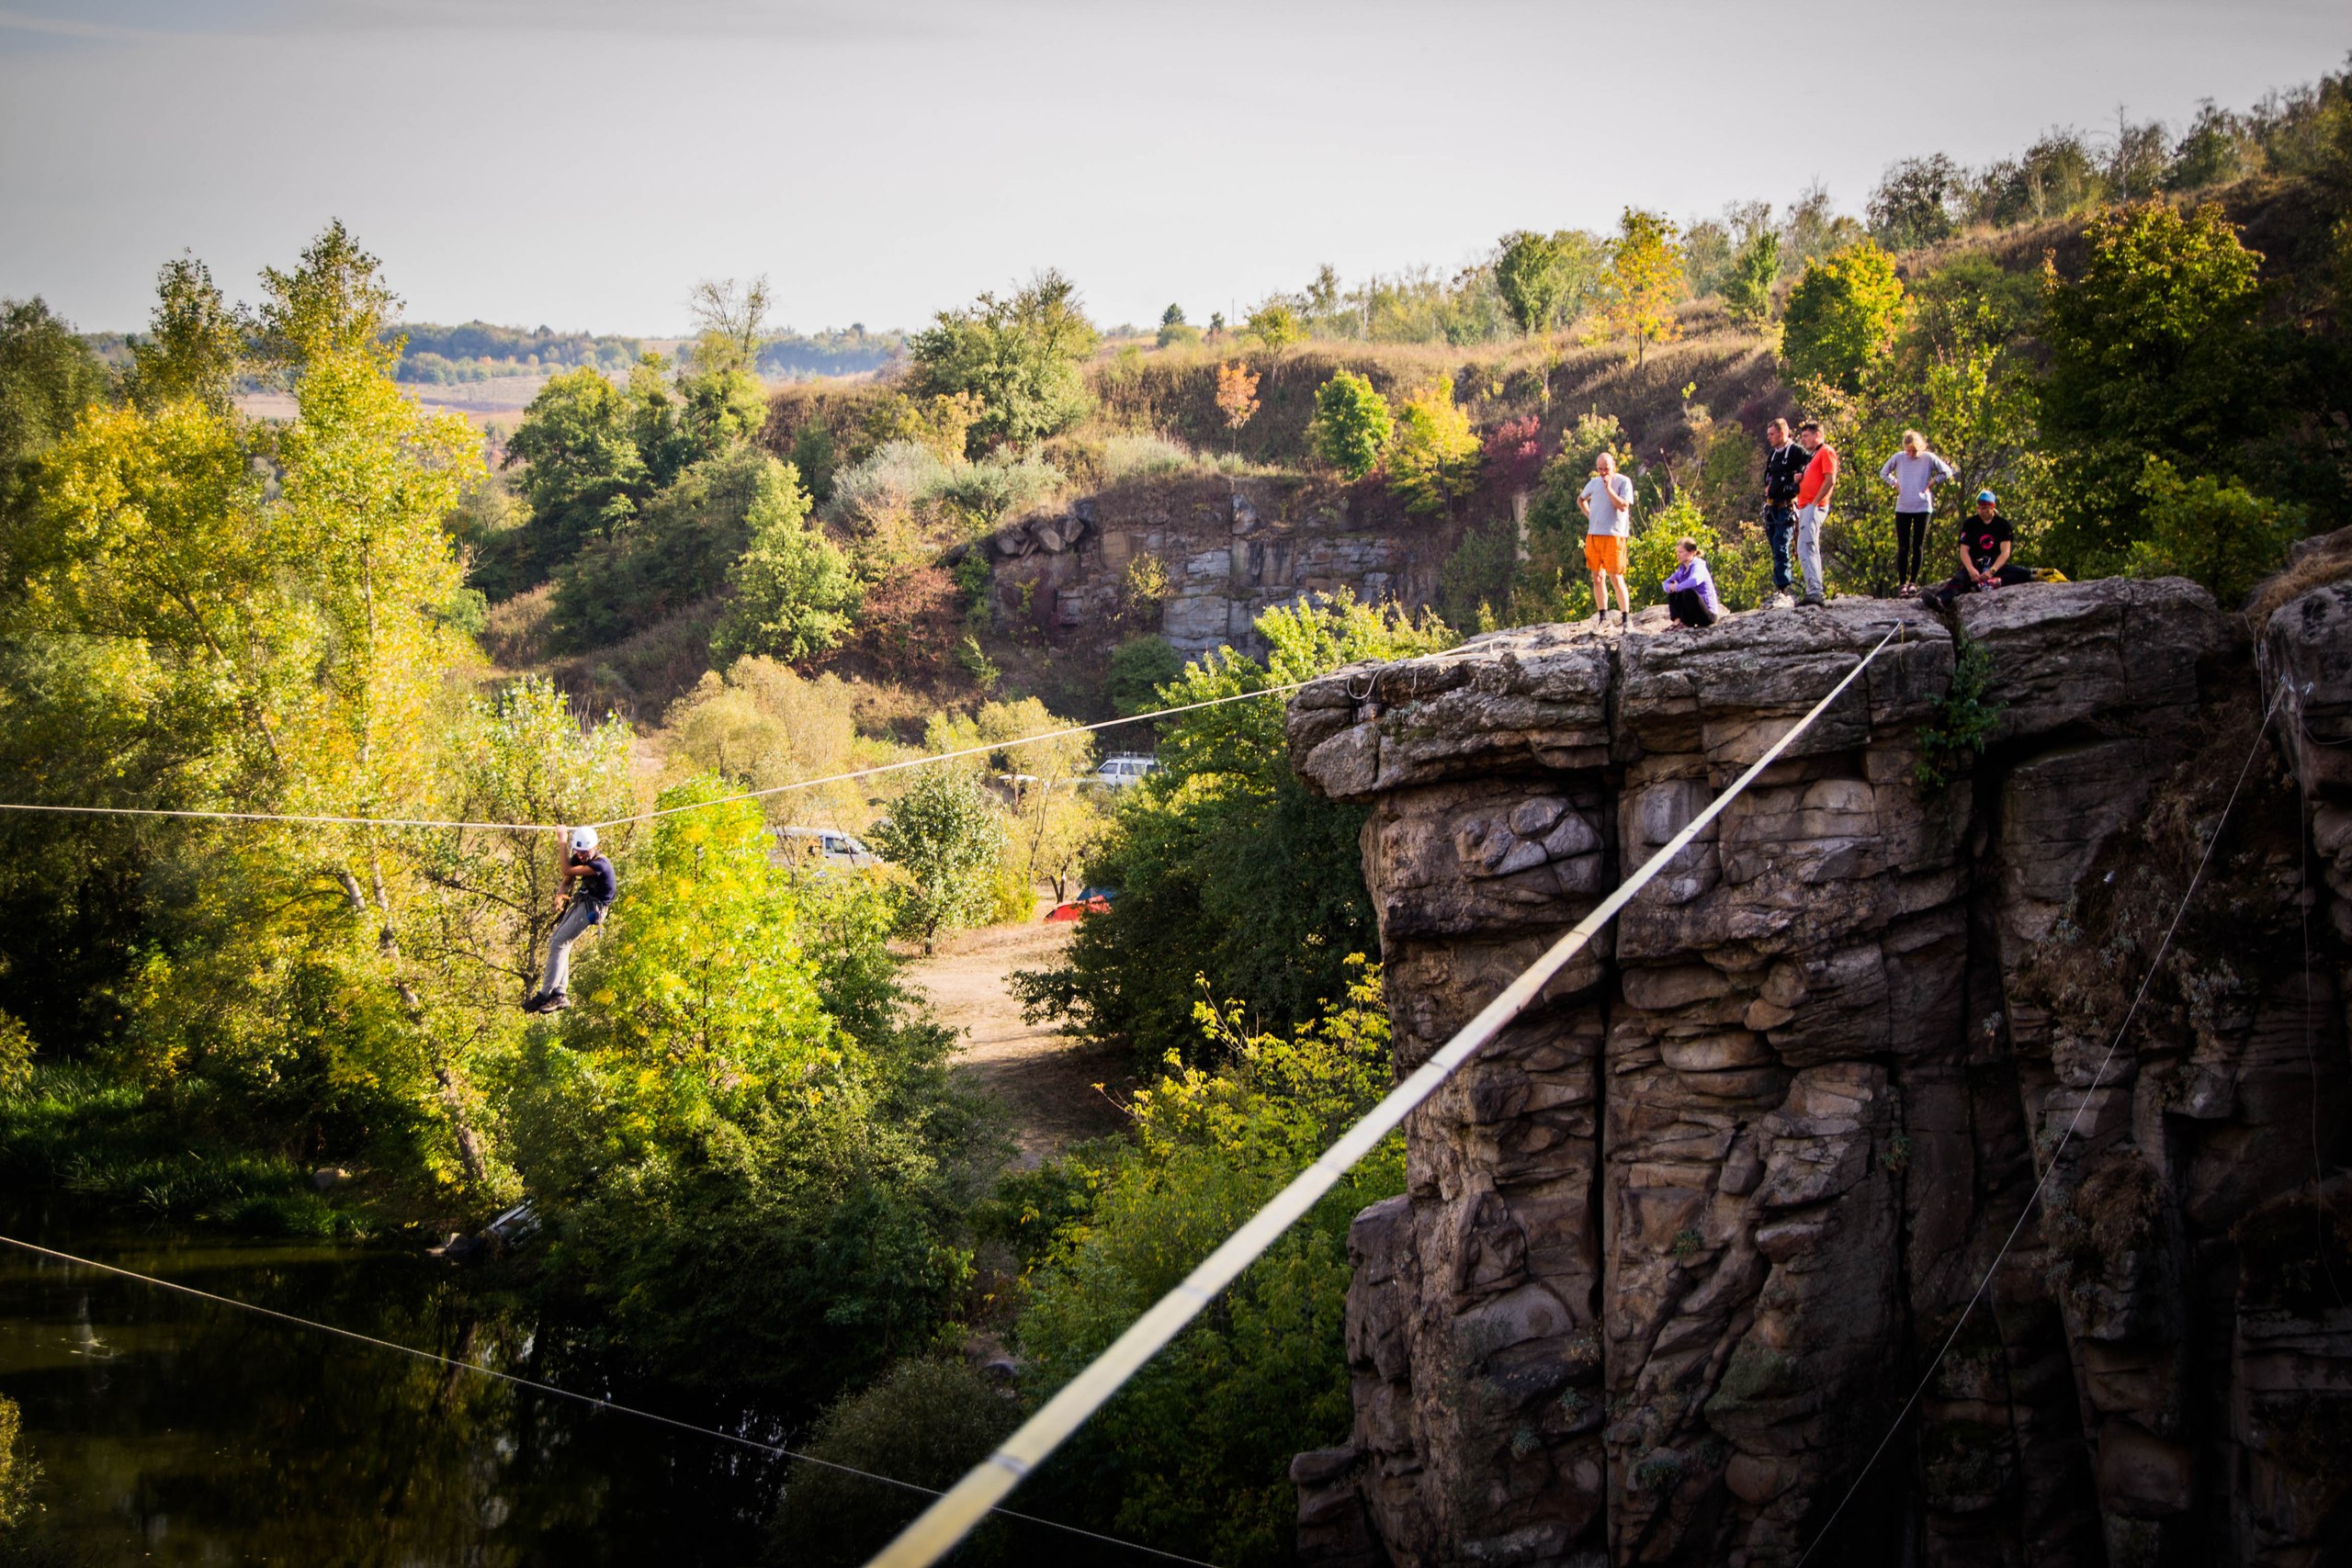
[1820,482]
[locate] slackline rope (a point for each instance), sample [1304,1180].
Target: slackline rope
[924,761]
[2041,1181]
[588,1399]
[946,1521]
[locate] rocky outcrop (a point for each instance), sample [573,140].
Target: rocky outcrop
[1680,1244]
[1208,557]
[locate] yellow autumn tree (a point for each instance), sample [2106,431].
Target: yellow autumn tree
[1644,280]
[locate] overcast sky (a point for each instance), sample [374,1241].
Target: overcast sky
[580,162]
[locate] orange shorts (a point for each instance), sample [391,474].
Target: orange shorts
[1605,552]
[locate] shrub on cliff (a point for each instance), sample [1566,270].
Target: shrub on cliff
[1433,454]
[1352,424]
[1017,357]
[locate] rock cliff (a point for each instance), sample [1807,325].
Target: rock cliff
[1677,1248]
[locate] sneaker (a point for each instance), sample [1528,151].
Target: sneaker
[1780,600]
[556,1002]
[535,1002]
[1812,602]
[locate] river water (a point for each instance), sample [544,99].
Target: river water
[176,1431]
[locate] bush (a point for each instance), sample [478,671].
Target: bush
[1474,585]
[2214,532]
[1276,325]
[676,549]
[1018,358]
[989,490]
[1224,864]
[1841,316]
[925,1423]
[1352,424]
[1194,1455]
[1140,667]
[794,594]
[945,834]
[1433,454]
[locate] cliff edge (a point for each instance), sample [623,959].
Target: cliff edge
[1677,1247]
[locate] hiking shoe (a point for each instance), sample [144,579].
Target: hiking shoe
[1812,602]
[556,1002]
[535,1001]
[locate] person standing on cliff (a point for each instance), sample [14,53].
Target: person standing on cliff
[1986,541]
[1607,503]
[1784,463]
[1915,472]
[1813,490]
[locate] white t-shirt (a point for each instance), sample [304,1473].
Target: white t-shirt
[1610,501]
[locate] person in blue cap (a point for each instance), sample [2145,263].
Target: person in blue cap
[1986,541]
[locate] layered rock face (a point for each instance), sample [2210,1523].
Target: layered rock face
[1679,1246]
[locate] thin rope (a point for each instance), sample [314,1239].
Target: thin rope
[2155,962]
[855,773]
[979,751]
[946,1521]
[588,1399]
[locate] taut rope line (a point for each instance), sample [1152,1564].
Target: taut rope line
[588,1399]
[946,1521]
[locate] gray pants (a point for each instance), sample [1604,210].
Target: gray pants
[578,916]
[1809,521]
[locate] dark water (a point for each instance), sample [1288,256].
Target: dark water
[172,1431]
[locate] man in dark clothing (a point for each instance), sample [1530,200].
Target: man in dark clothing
[589,887]
[1986,541]
[1784,463]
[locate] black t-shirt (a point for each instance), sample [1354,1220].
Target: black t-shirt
[1983,538]
[599,885]
[1783,471]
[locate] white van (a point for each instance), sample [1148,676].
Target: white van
[825,849]
[1124,768]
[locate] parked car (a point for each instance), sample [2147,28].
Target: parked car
[1092,902]
[823,848]
[1124,768]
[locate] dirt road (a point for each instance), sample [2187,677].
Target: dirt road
[1045,1079]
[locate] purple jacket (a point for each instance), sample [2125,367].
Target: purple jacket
[1694,574]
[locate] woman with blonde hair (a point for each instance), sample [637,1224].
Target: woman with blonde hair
[1915,472]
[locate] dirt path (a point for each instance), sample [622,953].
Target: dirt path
[1045,1079]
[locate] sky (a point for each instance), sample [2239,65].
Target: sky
[580,163]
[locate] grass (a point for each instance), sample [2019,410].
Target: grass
[106,1146]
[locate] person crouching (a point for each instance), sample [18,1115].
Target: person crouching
[1986,541]
[589,886]
[1690,590]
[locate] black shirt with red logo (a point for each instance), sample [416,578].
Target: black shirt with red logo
[1982,538]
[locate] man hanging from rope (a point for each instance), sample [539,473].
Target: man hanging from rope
[583,905]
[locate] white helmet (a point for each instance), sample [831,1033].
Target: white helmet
[583,840]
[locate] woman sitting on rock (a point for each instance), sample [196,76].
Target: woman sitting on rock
[1690,591]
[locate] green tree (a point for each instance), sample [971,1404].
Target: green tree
[1226,866]
[582,472]
[1913,204]
[794,594]
[47,375]
[1433,453]
[2154,350]
[1195,1453]
[1532,272]
[672,551]
[195,344]
[1018,357]
[1352,424]
[1841,316]
[947,836]
[1644,280]
[2212,531]
[1275,324]
[1747,285]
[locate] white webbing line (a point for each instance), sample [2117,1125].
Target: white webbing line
[946,1521]
[855,773]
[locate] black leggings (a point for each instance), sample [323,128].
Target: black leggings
[1685,606]
[1910,544]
